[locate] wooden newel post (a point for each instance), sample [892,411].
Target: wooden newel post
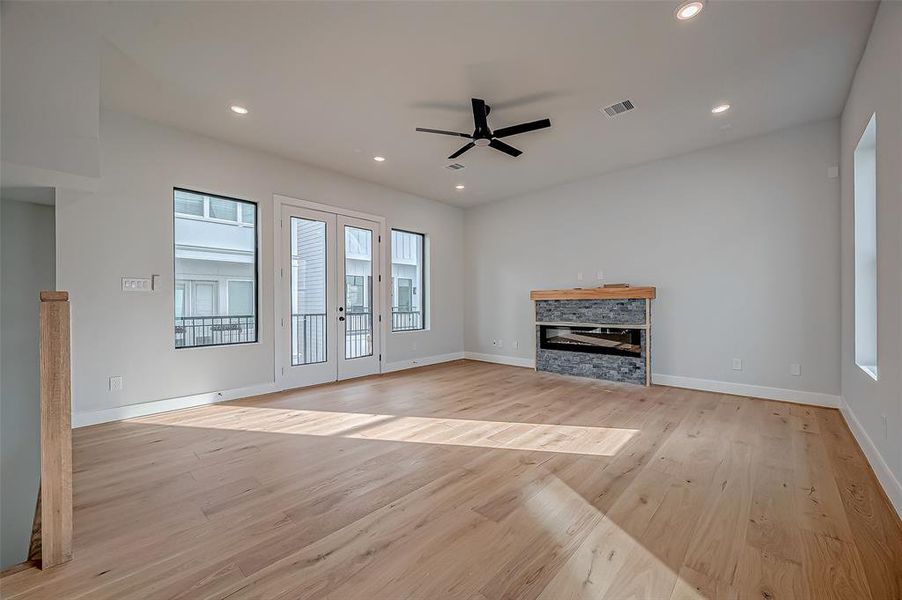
[53,517]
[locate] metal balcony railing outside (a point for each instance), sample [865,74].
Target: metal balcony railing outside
[215,330]
[358,333]
[308,338]
[405,320]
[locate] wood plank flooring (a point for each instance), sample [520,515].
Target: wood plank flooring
[479,482]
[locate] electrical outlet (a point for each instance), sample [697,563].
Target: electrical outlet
[737,364]
[600,276]
[494,342]
[501,343]
[116,383]
[579,276]
[515,344]
[795,369]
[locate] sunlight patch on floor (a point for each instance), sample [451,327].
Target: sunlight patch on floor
[569,439]
[610,562]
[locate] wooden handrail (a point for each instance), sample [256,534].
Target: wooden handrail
[51,536]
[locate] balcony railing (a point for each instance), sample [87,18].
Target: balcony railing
[308,332]
[405,320]
[308,338]
[214,331]
[358,333]
[309,342]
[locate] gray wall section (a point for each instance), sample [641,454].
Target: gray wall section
[877,405]
[27,256]
[741,241]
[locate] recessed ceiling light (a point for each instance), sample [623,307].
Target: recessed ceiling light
[688,10]
[240,110]
[720,108]
[379,158]
[459,186]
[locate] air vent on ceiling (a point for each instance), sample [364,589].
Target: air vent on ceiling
[455,166]
[618,109]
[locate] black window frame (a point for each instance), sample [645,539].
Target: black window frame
[422,282]
[256,224]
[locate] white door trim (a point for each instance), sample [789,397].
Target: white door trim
[280,201]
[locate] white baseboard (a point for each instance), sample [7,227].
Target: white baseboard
[118,413]
[421,362]
[744,389]
[514,361]
[723,387]
[885,476]
[132,411]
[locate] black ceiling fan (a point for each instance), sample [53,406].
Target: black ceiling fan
[483,136]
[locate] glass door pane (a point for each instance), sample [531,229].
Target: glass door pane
[309,343]
[358,282]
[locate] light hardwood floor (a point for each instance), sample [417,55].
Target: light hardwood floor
[480,482]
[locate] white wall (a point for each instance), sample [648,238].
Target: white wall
[125,229]
[50,64]
[27,268]
[877,88]
[741,241]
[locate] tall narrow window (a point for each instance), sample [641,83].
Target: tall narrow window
[215,270]
[309,282]
[358,295]
[408,265]
[865,206]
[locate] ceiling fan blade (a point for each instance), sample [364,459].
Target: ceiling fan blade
[499,145]
[479,113]
[462,150]
[443,132]
[522,128]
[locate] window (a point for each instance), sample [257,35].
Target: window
[187,203]
[215,270]
[408,264]
[180,299]
[226,210]
[241,298]
[356,287]
[203,298]
[214,208]
[405,294]
[865,217]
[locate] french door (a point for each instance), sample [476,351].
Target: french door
[330,287]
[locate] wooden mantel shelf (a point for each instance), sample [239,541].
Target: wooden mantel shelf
[596,293]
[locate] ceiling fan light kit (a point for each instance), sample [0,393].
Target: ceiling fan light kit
[483,136]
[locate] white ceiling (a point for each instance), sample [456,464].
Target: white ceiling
[333,84]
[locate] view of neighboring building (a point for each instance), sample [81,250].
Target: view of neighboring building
[408,298]
[215,270]
[215,287]
[309,333]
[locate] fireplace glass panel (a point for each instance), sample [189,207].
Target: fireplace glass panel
[597,340]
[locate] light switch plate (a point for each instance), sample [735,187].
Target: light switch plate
[795,369]
[737,364]
[137,284]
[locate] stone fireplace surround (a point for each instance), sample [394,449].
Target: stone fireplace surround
[615,308]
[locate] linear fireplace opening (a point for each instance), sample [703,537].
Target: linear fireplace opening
[597,340]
